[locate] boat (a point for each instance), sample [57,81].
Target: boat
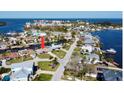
[9,33]
[112,51]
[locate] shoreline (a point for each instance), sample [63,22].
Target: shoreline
[97,29]
[105,46]
[14,32]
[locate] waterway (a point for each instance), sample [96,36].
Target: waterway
[111,39]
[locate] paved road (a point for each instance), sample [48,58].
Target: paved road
[59,72]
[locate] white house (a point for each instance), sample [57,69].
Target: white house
[12,40]
[68,36]
[87,49]
[93,58]
[2,46]
[54,47]
[21,71]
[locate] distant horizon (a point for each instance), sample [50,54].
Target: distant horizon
[61,14]
[60,18]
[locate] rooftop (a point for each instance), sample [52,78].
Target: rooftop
[27,65]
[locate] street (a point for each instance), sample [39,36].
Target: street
[59,72]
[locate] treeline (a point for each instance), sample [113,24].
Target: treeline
[49,28]
[107,23]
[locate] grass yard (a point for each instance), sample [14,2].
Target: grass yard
[43,77]
[59,53]
[66,47]
[17,60]
[77,49]
[45,56]
[47,66]
[27,58]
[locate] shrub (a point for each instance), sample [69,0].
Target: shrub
[4,70]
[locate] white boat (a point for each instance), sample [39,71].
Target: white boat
[111,51]
[9,33]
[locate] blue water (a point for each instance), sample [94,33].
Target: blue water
[13,25]
[112,39]
[117,21]
[16,25]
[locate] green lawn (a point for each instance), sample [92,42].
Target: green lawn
[66,47]
[27,58]
[88,78]
[43,77]
[59,53]
[45,56]
[77,49]
[47,66]
[83,56]
[17,60]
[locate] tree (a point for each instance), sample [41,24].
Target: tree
[109,59]
[92,61]
[74,64]
[55,61]
[4,70]
[79,43]
[82,72]
[73,34]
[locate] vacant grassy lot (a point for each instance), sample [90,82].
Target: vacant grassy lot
[59,53]
[48,66]
[67,46]
[43,77]
[17,60]
[45,56]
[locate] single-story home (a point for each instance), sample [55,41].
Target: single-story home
[87,49]
[68,36]
[3,45]
[21,71]
[40,51]
[54,47]
[93,58]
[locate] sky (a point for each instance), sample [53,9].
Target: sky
[60,14]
